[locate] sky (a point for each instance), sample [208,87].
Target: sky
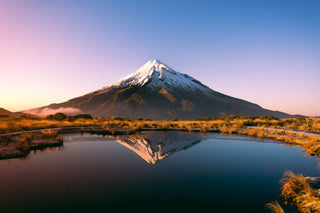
[266,52]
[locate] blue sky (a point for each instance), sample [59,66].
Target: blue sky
[266,52]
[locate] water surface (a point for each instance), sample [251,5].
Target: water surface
[151,172]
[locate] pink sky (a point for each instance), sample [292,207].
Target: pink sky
[52,52]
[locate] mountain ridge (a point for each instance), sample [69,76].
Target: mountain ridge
[5,112]
[156,91]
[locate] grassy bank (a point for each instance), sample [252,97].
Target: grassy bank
[21,145]
[227,125]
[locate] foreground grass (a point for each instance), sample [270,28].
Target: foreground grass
[275,207]
[298,191]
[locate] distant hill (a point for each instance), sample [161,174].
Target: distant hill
[156,91]
[13,114]
[4,112]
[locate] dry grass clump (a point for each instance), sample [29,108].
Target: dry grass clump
[310,143]
[298,192]
[275,207]
[26,137]
[299,124]
[226,129]
[49,134]
[25,141]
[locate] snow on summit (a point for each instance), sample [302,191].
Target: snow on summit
[159,75]
[156,91]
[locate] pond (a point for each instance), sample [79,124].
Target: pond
[151,172]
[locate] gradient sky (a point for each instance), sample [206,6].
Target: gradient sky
[266,52]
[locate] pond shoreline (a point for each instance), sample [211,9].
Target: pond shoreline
[303,139]
[20,145]
[87,129]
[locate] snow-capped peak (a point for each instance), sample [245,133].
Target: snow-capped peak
[159,75]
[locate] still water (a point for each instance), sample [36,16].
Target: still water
[151,172]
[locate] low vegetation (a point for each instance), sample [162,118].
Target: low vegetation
[20,145]
[300,192]
[229,123]
[275,207]
[261,127]
[49,134]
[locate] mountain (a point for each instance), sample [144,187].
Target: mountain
[5,112]
[156,146]
[157,91]
[13,114]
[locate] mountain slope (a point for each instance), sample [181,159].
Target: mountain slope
[5,112]
[13,114]
[156,91]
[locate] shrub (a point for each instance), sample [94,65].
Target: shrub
[24,143]
[268,117]
[58,116]
[84,116]
[49,134]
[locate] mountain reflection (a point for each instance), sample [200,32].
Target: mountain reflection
[156,146]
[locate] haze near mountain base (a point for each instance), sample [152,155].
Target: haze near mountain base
[156,91]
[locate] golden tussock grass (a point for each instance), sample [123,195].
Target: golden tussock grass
[24,143]
[49,134]
[227,125]
[298,192]
[275,207]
